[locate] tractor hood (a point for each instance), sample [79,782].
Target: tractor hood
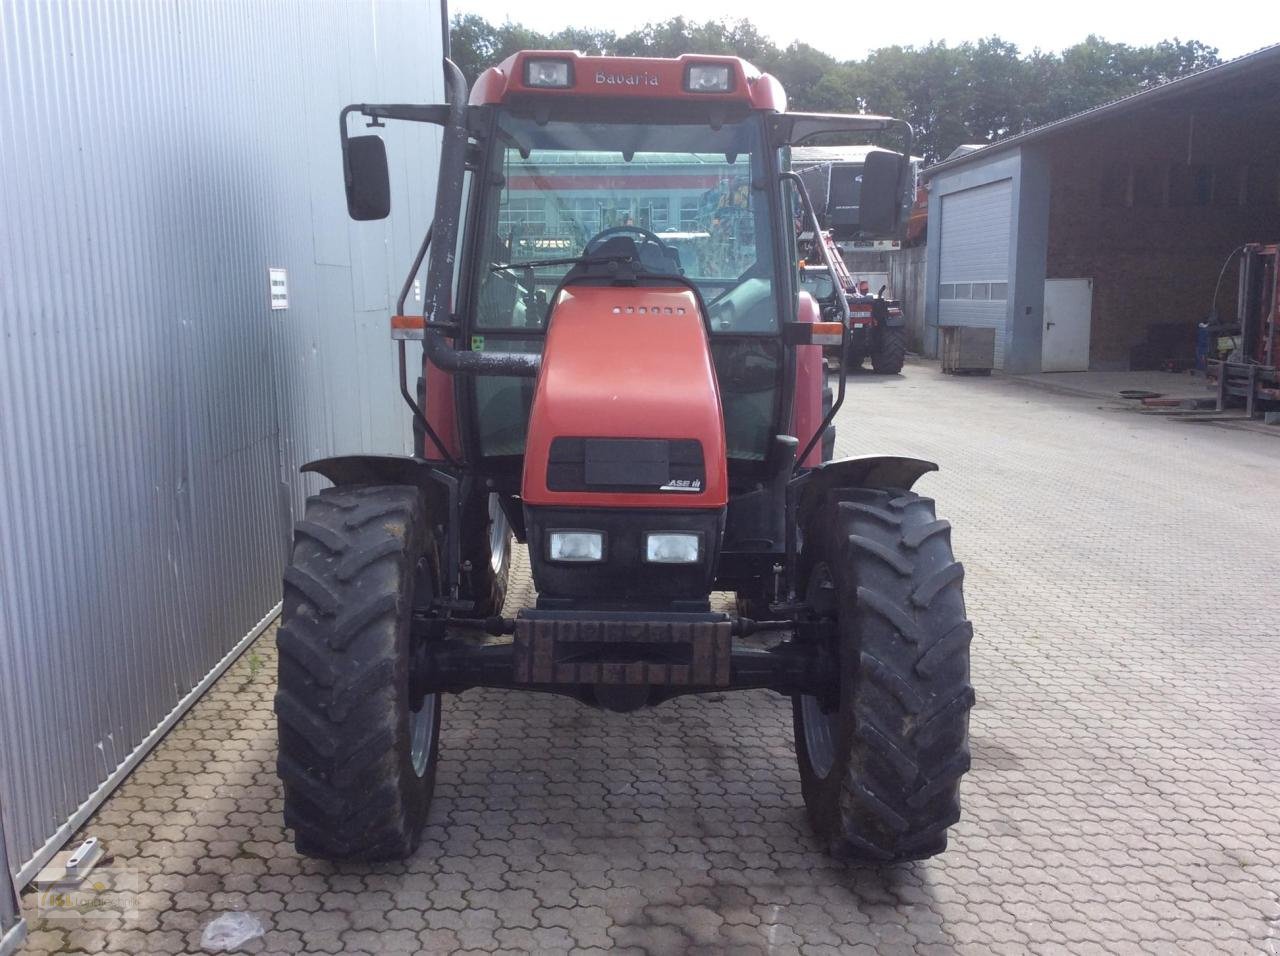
[626,412]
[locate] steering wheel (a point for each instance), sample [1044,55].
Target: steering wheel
[603,234]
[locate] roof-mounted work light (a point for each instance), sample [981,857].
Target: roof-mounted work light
[548,74]
[708,78]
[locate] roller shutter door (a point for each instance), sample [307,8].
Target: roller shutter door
[973,283]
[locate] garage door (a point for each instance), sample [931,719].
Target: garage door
[973,278]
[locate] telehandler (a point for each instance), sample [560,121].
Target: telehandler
[620,370]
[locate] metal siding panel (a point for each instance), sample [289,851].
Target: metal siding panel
[158,158]
[12,926]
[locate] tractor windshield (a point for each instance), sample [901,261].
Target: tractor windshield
[691,194]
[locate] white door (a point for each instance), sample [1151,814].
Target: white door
[1068,306]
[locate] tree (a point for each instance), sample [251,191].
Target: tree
[974,92]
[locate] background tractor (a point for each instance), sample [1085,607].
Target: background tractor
[877,327]
[620,368]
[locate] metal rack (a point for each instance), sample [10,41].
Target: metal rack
[1254,375]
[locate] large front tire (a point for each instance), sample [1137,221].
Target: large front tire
[357,756]
[881,757]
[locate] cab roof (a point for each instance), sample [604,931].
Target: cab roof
[625,77]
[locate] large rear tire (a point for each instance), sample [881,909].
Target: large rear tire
[357,756]
[890,350]
[882,756]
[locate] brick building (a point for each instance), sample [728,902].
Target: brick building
[1096,241]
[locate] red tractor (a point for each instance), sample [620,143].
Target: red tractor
[621,371]
[877,327]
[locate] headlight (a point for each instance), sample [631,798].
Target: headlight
[575,546]
[672,547]
[548,74]
[708,78]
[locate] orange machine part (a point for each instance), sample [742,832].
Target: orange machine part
[811,379]
[626,362]
[441,412]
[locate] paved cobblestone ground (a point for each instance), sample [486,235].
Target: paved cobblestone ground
[1122,577]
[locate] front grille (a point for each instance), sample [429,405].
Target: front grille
[626,465]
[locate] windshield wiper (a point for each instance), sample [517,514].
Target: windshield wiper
[571,261]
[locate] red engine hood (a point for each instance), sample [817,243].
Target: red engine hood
[625,362]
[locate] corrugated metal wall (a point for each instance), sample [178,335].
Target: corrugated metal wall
[13,929]
[157,158]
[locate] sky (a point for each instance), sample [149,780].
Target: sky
[1050,26]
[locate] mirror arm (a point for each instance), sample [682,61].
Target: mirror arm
[437,114]
[843,301]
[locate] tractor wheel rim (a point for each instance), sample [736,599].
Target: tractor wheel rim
[820,729]
[422,725]
[499,537]
[422,718]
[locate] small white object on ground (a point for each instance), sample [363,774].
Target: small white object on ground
[230,931]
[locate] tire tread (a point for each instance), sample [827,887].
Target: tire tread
[349,790]
[905,639]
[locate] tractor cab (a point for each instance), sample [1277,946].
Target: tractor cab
[621,368]
[641,214]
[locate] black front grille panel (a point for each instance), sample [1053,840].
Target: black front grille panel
[576,650]
[626,465]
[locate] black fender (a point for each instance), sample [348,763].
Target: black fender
[882,311]
[382,470]
[865,471]
[440,488]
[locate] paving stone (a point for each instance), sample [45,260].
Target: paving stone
[1125,747]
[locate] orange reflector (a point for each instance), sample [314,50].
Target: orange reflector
[826,333]
[412,327]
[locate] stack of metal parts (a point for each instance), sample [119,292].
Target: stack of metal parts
[1251,373]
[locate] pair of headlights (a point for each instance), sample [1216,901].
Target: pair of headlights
[660,547]
[558,75]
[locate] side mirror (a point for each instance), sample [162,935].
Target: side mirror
[368,183]
[843,197]
[881,195]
